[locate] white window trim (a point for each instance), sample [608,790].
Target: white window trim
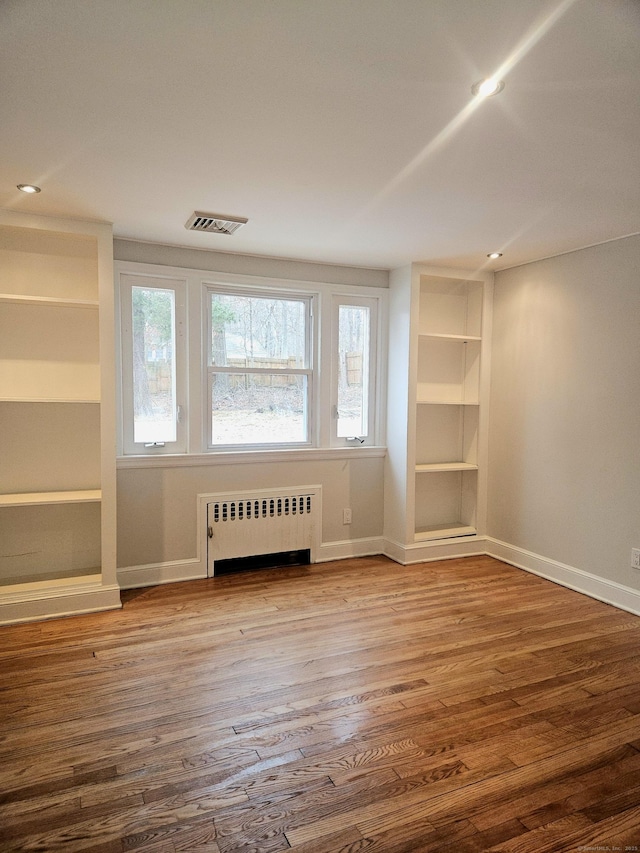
[372,303]
[195,283]
[252,457]
[126,282]
[310,370]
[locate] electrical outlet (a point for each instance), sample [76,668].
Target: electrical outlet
[635,558]
[346,517]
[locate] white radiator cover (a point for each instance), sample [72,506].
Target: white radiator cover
[266,521]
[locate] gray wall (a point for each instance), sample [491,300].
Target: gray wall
[157,507]
[203,259]
[564,464]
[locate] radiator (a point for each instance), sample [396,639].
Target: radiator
[263,522]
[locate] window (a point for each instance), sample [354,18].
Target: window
[213,364]
[259,377]
[353,395]
[153,344]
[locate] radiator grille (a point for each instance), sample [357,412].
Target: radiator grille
[265,508]
[248,525]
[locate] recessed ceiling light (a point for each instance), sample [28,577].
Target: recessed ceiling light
[29,188]
[494,255]
[487,88]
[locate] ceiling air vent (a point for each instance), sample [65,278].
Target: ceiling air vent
[215,223]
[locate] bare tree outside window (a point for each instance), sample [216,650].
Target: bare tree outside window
[154,388]
[256,341]
[353,372]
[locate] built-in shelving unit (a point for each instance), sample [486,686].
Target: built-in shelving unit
[448,373]
[436,460]
[57,418]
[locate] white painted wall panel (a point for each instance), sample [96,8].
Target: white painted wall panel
[565,409]
[157,507]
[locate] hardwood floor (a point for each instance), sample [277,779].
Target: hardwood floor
[456,706]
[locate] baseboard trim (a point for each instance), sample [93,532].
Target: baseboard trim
[609,592]
[346,548]
[154,574]
[53,603]
[428,552]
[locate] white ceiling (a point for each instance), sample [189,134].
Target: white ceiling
[345,130]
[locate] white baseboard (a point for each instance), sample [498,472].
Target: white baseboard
[425,552]
[610,592]
[154,574]
[38,601]
[346,548]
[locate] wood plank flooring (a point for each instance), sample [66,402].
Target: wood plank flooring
[456,706]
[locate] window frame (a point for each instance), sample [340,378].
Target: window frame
[127,281]
[309,371]
[191,285]
[373,369]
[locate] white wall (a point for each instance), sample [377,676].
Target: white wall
[398,520]
[564,464]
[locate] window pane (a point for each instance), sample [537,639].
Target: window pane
[154,383]
[353,370]
[253,331]
[258,409]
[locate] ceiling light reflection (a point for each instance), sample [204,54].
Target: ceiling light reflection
[487,88]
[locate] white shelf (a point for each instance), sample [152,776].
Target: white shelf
[444,531]
[447,403]
[47,498]
[446,337]
[51,301]
[430,467]
[45,400]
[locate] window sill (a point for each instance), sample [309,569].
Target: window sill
[191,460]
